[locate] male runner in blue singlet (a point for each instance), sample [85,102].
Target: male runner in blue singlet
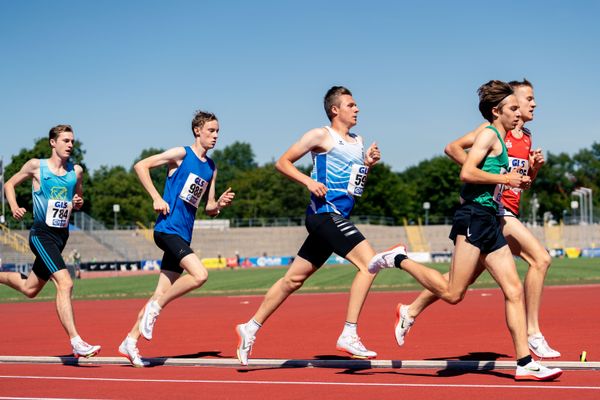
[339,174]
[191,173]
[57,188]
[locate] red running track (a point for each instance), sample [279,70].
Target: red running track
[305,327]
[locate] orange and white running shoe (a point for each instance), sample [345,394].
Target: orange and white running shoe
[536,372]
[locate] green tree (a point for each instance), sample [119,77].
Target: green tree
[386,194]
[233,160]
[263,192]
[115,185]
[552,186]
[587,168]
[435,181]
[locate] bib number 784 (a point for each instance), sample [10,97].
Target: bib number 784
[58,213]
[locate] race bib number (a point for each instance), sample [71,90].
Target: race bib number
[518,164]
[358,179]
[521,166]
[499,189]
[58,213]
[193,189]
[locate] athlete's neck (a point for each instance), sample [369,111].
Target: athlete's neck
[57,163]
[199,150]
[342,129]
[518,131]
[500,128]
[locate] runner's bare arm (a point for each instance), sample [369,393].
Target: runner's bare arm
[214,207]
[469,172]
[456,150]
[372,155]
[314,140]
[172,158]
[536,161]
[29,170]
[78,197]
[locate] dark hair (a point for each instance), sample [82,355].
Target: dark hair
[202,117]
[57,130]
[332,99]
[491,95]
[516,84]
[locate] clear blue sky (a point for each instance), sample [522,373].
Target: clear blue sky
[129,74]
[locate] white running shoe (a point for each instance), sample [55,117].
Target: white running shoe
[352,345]
[541,348]
[132,353]
[403,323]
[83,349]
[385,259]
[537,372]
[151,312]
[245,343]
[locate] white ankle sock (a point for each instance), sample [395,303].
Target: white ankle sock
[252,327]
[349,329]
[130,340]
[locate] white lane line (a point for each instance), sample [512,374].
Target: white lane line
[300,383]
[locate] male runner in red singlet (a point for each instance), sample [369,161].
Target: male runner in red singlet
[521,241]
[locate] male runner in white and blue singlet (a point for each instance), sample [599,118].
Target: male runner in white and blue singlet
[339,174]
[57,188]
[190,174]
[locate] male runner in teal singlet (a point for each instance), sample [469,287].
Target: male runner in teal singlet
[57,190]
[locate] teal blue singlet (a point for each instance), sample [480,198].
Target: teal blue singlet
[52,203]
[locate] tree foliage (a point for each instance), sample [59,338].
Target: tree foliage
[435,181]
[261,192]
[231,162]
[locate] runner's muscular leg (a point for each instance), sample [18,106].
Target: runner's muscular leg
[294,278]
[196,276]
[501,266]
[360,256]
[165,281]
[29,286]
[524,244]
[64,289]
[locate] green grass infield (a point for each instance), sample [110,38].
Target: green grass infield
[328,279]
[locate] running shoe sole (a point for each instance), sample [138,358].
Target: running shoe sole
[537,378]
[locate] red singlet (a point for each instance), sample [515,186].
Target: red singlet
[518,157]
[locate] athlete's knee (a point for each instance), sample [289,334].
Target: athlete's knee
[291,284]
[541,261]
[200,278]
[514,292]
[454,297]
[31,293]
[64,286]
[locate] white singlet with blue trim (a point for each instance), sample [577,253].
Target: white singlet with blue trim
[342,171]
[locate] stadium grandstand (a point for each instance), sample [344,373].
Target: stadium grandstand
[224,244]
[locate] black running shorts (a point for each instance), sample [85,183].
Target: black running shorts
[480,225]
[175,249]
[47,244]
[328,233]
